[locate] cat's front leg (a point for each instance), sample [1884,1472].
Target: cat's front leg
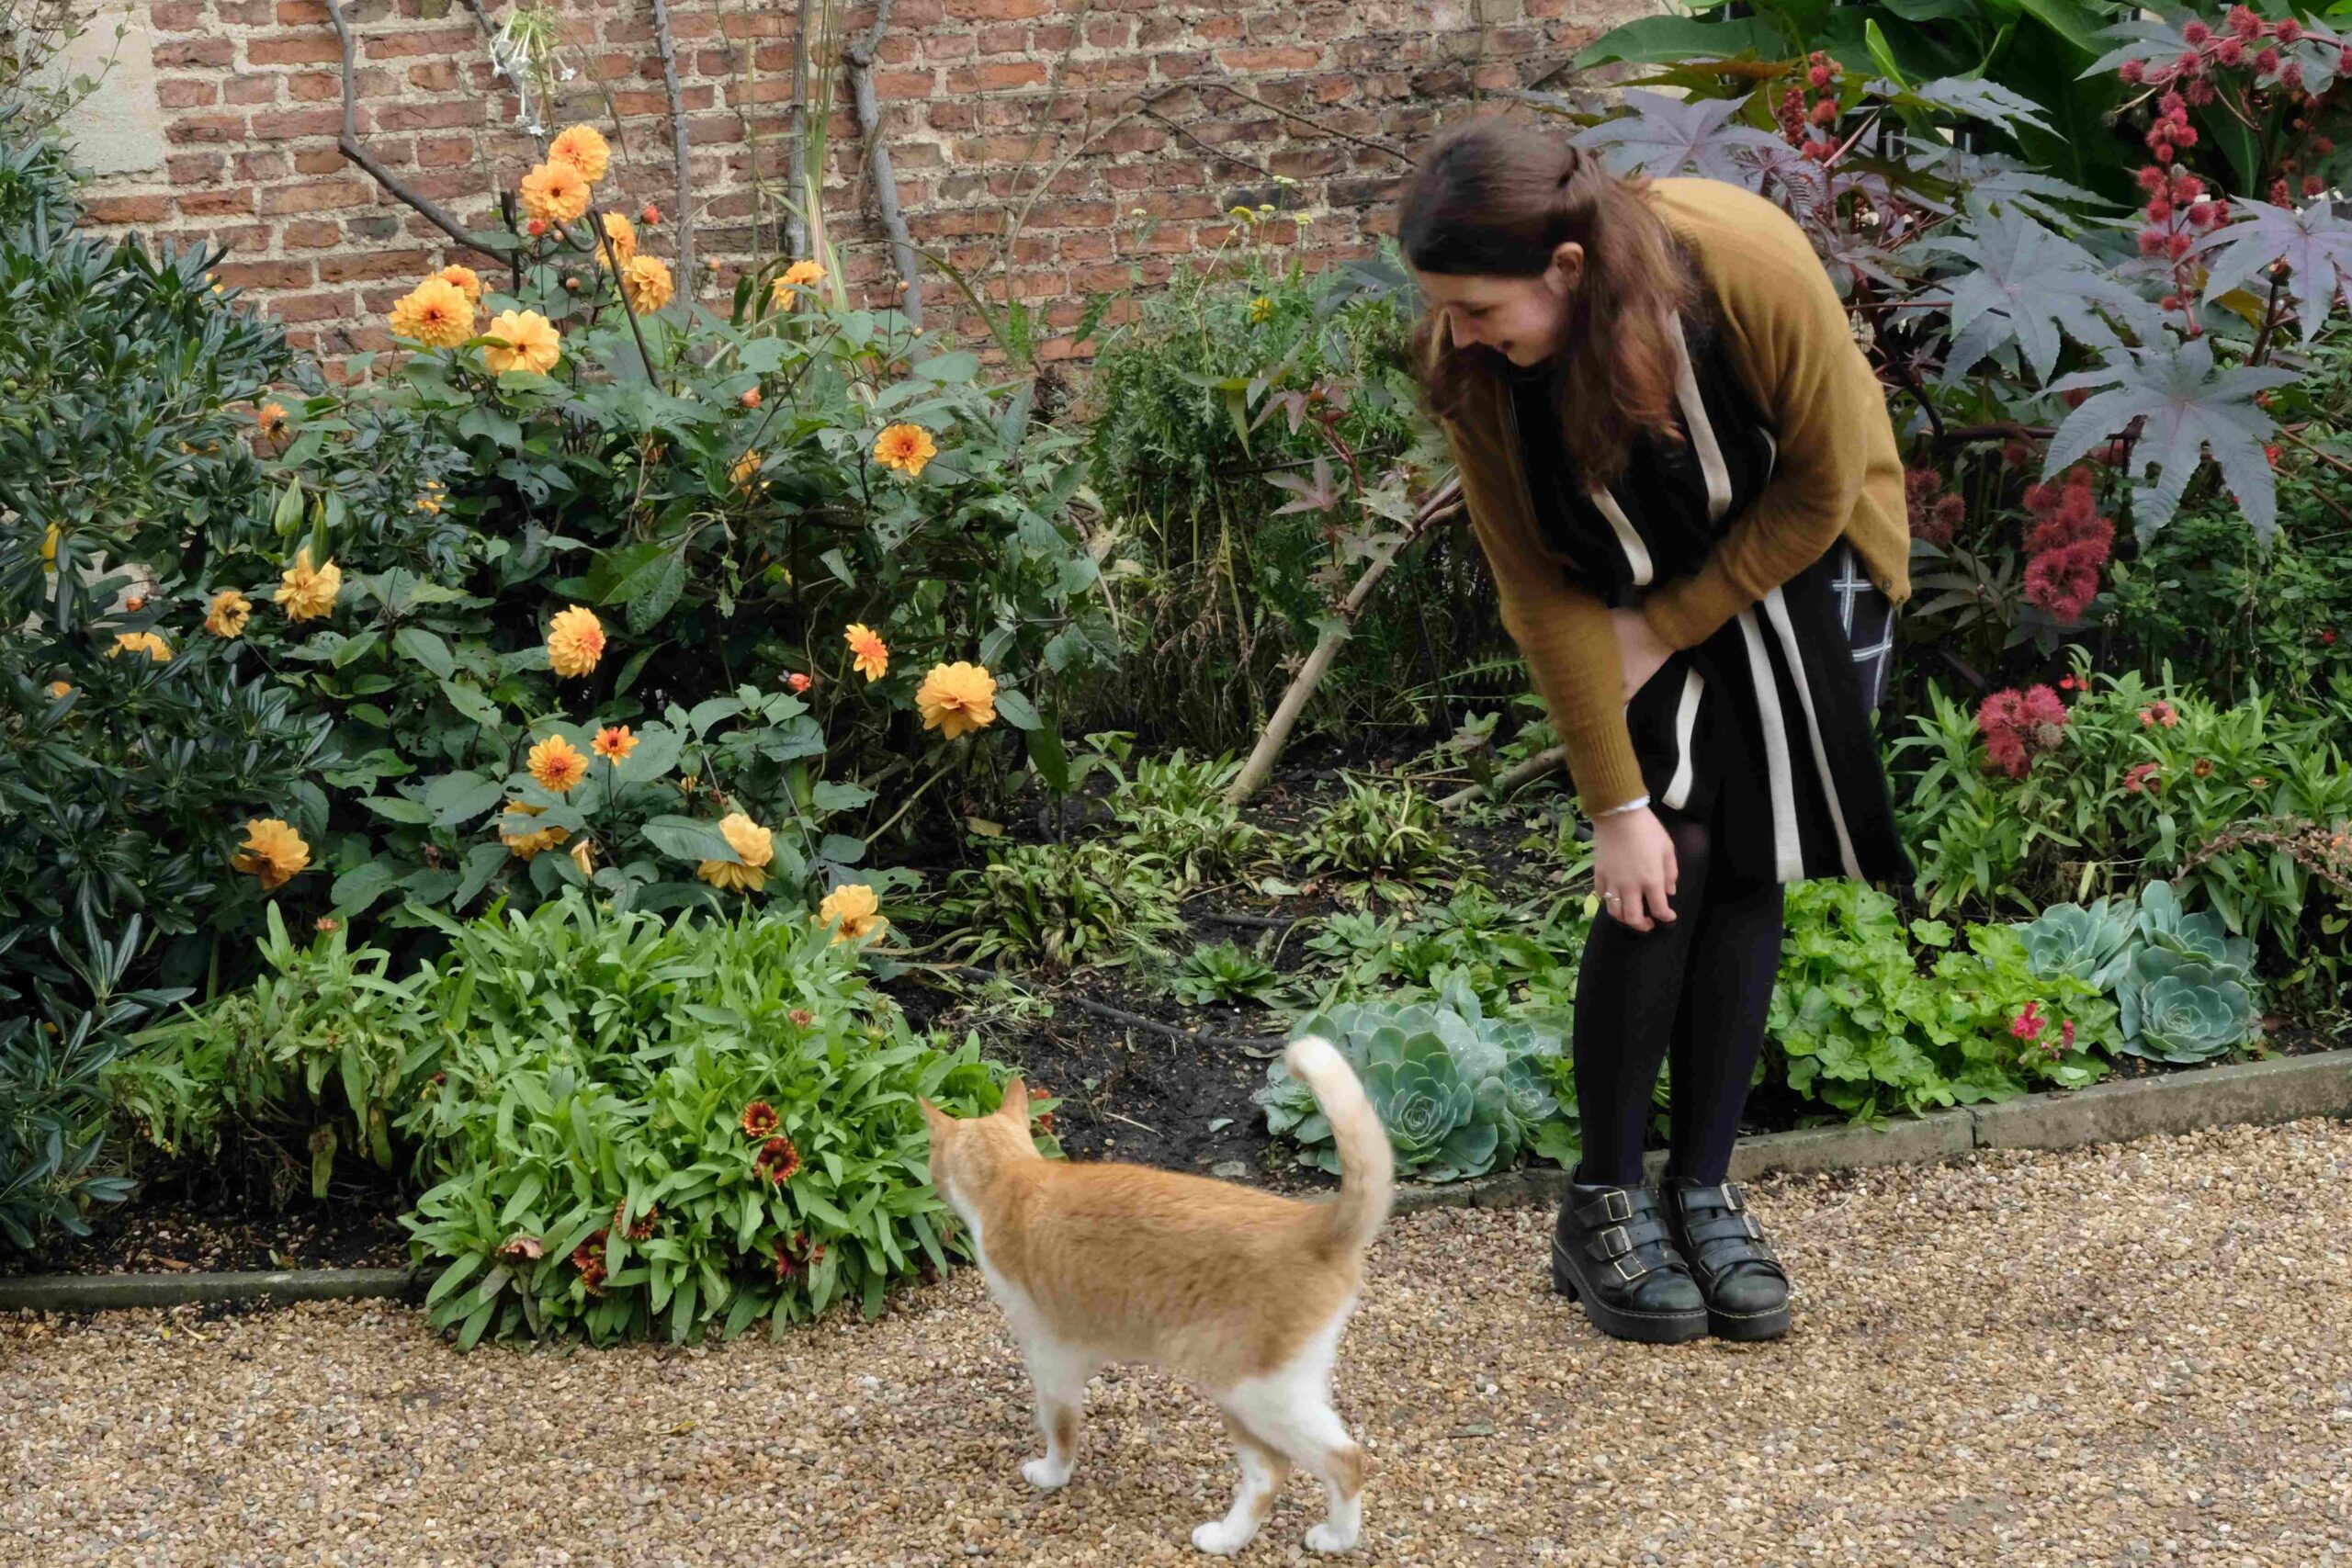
[1059,1374]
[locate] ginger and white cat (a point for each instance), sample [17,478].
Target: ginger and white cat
[1239,1291]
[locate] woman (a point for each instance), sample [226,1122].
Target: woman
[1682,473]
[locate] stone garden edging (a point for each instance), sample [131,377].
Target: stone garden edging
[2287,1088]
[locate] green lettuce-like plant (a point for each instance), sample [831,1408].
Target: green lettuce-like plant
[1459,1093]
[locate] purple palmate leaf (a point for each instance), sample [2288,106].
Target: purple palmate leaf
[2033,286]
[2188,409]
[2313,241]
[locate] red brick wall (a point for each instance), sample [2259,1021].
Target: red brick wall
[981,101]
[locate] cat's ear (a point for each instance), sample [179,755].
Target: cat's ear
[1015,1108]
[938,1121]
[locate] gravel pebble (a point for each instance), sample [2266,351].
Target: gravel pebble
[2131,1354]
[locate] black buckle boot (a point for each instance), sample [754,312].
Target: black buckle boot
[1611,1250]
[1736,1266]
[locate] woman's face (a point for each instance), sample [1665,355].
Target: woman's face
[1522,318]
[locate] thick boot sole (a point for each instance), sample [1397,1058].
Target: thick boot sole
[1750,1325]
[1644,1327]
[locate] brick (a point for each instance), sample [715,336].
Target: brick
[428,117]
[302,14]
[186,92]
[1007,76]
[129,208]
[195,127]
[181,56]
[217,204]
[373,265]
[265,275]
[183,18]
[320,196]
[1250,61]
[1002,38]
[904,83]
[311,234]
[278,124]
[1084,248]
[996,10]
[194,168]
[299,49]
[251,91]
[314,87]
[296,307]
[436,153]
[438,42]
[319,160]
[434,76]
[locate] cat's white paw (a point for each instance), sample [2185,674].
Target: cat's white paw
[1329,1540]
[1220,1540]
[1045,1474]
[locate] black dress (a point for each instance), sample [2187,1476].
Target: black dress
[1765,727]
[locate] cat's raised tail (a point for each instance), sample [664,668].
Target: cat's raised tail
[1367,1165]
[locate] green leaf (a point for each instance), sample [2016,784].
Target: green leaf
[683,838]
[949,370]
[658,747]
[1048,757]
[471,703]
[655,601]
[481,864]
[456,799]
[762,355]
[619,576]
[426,649]
[841,849]
[1014,709]
[355,648]
[830,795]
[397,808]
[360,886]
[710,712]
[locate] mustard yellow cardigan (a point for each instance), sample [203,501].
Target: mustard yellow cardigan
[1838,474]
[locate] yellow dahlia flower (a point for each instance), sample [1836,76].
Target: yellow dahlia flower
[558,764]
[435,313]
[623,235]
[575,642]
[306,594]
[869,655]
[853,911]
[584,148]
[614,744]
[464,280]
[905,446]
[525,845]
[957,699]
[228,614]
[754,843]
[555,193]
[148,643]
[646,281]
[273,851]
[527,340]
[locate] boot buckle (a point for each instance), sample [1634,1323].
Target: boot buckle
[1639,1269]
[1614,1199]
[1614,1241]
[1731,1197]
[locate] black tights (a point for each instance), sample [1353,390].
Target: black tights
[1699,988]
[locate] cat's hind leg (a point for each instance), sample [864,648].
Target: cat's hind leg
[1263,1471]
[1058,1375]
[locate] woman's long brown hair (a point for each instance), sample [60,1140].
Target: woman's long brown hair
[1496,198]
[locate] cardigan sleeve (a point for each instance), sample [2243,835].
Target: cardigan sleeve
[1562,628]
[1788,336]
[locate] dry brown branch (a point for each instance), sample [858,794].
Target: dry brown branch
[352,149]
[678,140]
[859,58]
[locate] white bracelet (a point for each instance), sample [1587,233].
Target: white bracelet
[1639,805]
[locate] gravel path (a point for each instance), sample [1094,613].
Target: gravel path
[2134,1354]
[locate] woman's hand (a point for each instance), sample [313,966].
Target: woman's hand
[1640,650]
[1633,869]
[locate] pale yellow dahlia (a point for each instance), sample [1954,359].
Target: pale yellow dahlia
[435,313]
[584,148]
[854,910]
[273,851]
[869,655]
[307,592]
[555,193]
[526,340]
[754,843]
[957,699]
[229,612]
[575,642]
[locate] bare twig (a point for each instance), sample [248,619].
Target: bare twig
[1535,767]
[859,58]
[351,148]
[1445,503]
[678,140]
[1404,158]
[796,137]
[481,15]
[1258,169]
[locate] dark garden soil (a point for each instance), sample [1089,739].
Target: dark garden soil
[1140,1077]
[170,1228]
